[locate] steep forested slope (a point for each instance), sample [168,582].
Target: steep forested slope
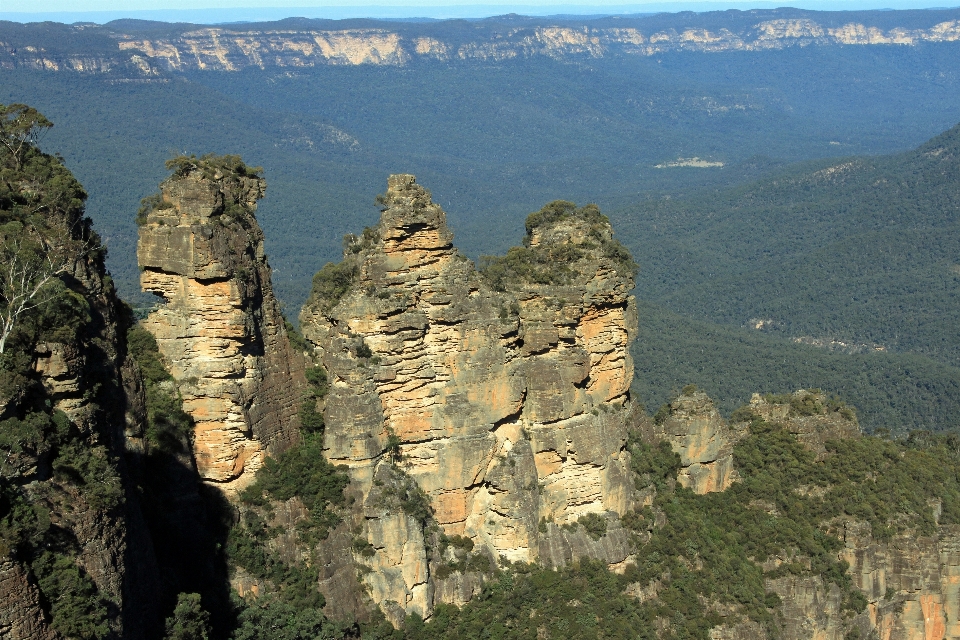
[859,251]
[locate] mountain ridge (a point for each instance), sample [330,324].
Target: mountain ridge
[118,47]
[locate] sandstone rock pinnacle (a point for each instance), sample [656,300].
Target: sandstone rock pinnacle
[220,327]
[506,396]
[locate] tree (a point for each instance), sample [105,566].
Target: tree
[20,129]
[189,620]
[43,234]
[29,262]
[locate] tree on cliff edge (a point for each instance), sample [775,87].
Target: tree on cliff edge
[43,234]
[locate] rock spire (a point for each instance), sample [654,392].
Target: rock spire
[220,327]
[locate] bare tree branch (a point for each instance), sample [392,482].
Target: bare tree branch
[29,262]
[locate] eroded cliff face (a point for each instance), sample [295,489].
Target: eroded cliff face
[910,583]
[233,49]
[220,328]
[506,407]
[697,432]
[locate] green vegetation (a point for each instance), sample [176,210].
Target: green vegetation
[311,420]
[855,250]
[581,601]
[402,491]
[304,472]
[229,170]
[151,203]
[285,621]
[895,391]
[711,545]
[297,341]
[301,472]
[212,166]
[76,607]
[463,559]
[50,470]
[91,470]
[169,427]
[189,620]
[550,261]
[332,282]
[595,525]
[43,236]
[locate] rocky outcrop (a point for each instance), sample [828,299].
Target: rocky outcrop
[219,327]
[697,432]
[807,414]
[506,407]
[910,582]
[704,440]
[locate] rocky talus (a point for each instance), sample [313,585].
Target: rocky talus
[506,407]
[219,326]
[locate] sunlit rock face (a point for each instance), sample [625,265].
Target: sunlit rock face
[507,407]
[220,328]
[696,431]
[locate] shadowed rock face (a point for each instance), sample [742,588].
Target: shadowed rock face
[220,329]
[509,407]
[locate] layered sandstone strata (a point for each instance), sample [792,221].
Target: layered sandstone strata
[507,407]
[220,328]
[236,48]
[696,431]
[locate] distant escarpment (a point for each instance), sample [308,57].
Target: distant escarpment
[219,326]
[502,395]
[306,43]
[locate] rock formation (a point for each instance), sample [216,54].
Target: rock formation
[220,327]
[696,431]
[804,414]
[507,407]
[234,48]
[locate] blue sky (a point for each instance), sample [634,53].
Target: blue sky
[240,10]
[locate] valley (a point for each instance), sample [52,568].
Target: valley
[639,326]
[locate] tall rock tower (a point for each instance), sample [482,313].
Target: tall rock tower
[504,396]
[220,327]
